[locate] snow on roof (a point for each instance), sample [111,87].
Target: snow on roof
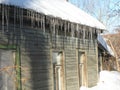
[58,8]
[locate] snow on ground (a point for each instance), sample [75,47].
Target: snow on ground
[58,8]
[109,80]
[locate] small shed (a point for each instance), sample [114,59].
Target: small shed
[106,56]
[114,43]
[47,45]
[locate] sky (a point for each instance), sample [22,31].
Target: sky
[99,9]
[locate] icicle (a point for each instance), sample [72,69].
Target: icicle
[6,17]
[72,30]
[88,37]
[56,23]
[57,27]
[77,27]
[30,17]
[93,30]
[71,27]
[34,19]
[65,28]
[18,14]
[72,33]
[21,22]
[14,17]
[38,20]
[51,25]
[78,31]
[3,18]
[54,26]
[97,32]
[31,14]
[68,27]
[61,24]
[14,24]
[22,18]
[83,32]
[91,33]
[49,22]
[43,20]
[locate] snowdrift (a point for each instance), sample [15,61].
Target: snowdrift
[109,80]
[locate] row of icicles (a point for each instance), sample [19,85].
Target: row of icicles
[43,22]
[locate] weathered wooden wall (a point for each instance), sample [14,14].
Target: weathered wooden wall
[36,63]
[70,47]
[35,46]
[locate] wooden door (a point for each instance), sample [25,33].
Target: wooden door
[82,69]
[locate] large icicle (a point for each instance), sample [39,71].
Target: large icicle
[65,28]
[7,17]
[3,19]
[43,21]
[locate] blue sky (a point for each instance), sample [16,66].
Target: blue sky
[101,8]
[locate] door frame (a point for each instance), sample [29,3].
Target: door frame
[63,66]
[86,75]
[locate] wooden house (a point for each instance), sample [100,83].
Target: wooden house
[47,45]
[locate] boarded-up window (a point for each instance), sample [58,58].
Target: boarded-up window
[57,60]
[7,72]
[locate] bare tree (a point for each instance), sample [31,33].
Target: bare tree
[106,11]
[118,29]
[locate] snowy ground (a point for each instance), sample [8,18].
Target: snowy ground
[109,80]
